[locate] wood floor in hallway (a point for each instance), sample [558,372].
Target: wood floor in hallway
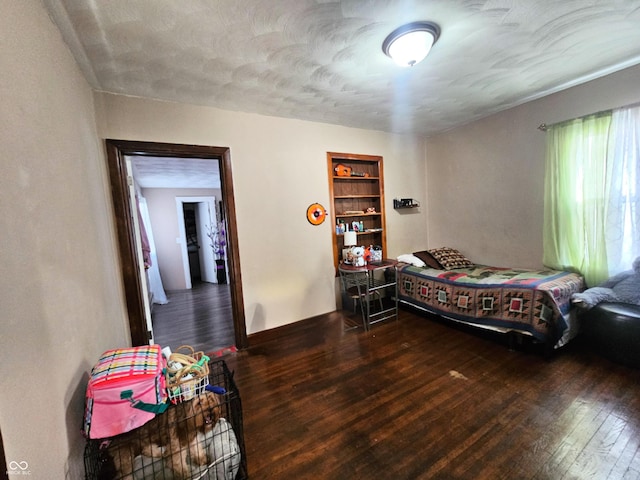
[200,317]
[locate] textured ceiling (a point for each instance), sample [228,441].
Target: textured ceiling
[167,172]
[322,60]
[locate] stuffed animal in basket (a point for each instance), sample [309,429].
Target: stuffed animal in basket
[173,436]
[623,287]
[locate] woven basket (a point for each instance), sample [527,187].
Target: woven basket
[187,374]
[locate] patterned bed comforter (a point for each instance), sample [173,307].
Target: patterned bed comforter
[536,302]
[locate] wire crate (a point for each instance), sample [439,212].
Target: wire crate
[197,439]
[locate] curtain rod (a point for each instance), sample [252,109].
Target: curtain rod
[543,127]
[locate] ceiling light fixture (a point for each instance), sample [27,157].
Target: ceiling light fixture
[410,43]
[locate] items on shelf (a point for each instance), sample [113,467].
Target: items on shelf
[342,170]
[368,211]
[375,254]
[405,203]
[346,171]
[359,256]
[355,226]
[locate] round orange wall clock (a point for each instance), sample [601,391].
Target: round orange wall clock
[316,214]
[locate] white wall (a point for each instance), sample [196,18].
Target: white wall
[279,169]
[61,303]
[486,179]
[165,224]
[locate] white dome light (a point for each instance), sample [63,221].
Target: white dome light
[410,44]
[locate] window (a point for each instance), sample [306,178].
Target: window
[592,204]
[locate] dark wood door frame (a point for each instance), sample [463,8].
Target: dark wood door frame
[116,152]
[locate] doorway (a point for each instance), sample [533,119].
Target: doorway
[187,303]
[132,274]
[192,232]
[197,221]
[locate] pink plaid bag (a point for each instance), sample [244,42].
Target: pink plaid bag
[126,389]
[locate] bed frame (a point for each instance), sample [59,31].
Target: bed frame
[534,303]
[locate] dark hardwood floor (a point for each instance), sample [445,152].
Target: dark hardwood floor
[200,317]
[423,399]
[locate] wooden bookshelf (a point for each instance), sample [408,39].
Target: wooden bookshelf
[352,195]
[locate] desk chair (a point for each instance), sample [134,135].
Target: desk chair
[354,286]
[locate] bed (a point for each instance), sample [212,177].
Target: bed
[529,302]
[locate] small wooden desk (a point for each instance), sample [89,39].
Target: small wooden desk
[372,279]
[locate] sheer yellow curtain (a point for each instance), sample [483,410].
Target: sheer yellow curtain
[575,197]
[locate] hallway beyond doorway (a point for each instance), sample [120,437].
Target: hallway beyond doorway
[200,317]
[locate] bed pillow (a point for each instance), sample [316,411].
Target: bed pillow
[412,259]
[428,259]
[450,258]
